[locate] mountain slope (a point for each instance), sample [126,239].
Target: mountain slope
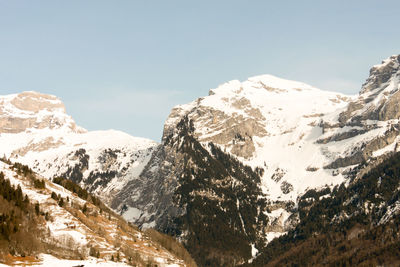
[273,126]
[240,158]
[69,225]
[264,114]
[37,132]
[300,136]
[223,204]
[357,225]
[207,198]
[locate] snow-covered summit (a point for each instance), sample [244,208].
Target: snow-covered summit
[271,122]
[274,105]
[267,82]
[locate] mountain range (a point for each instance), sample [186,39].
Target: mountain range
[254,169]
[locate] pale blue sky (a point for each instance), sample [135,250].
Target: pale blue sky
[125,64]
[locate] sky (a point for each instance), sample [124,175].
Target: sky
[124,64]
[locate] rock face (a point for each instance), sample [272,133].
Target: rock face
[148,200]
[381,75]
[239,158]
[69,226]
[379,96]
[32,110]
[201,194]
[373,115]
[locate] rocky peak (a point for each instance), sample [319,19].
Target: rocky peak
[379,96]
[381,74]
[34,102]
[33,110]
[370,123]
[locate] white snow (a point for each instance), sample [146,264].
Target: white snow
[254,252]
[132,214]
[291,114]
[48,260]
[272,235]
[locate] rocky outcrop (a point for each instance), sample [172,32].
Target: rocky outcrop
[286,187]
[341,136]
[376,110]
[43,145]
[149,200]
[35,102]
[379,96]
[381,74]
[391,109]
[32,110]
[365,150]
[234,131]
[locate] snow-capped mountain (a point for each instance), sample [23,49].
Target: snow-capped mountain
[241,157]
[270,123]
[295,136]
[37,131]
[301,137]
